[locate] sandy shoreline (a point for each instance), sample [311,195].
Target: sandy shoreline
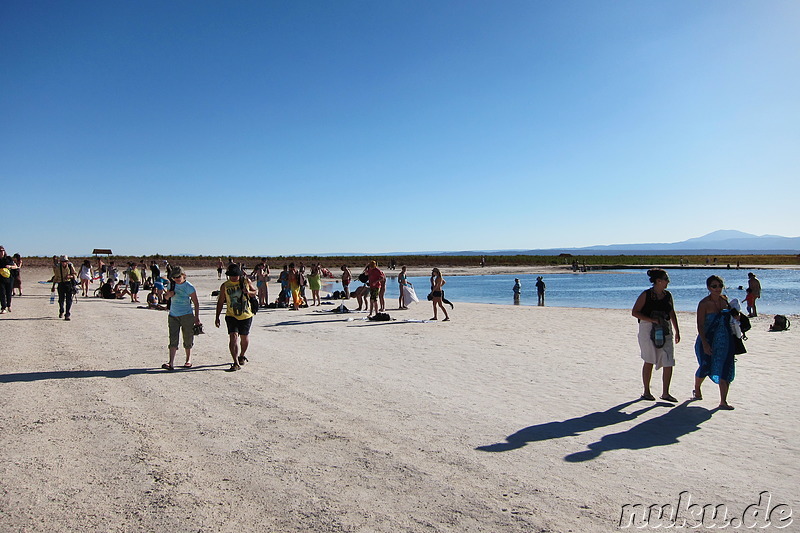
[505,419]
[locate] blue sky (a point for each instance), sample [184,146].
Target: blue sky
[277,128]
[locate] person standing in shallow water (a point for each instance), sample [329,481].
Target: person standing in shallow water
[654,308]
[540,287]
[517,289]
[755,292]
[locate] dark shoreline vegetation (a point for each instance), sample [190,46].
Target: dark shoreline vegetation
[422,261]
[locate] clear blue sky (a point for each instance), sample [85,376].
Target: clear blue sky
[276,128]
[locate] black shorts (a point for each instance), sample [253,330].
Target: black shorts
[242,327]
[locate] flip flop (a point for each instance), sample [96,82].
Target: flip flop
[166,366]
[187,365]
[668,398]
[648,397]
[696,396]
[242,360]
[726,407]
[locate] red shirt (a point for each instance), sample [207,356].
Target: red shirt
[375,278]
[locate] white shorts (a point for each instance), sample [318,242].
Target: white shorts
[664,356]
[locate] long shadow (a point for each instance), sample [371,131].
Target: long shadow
[659,431]
[302,322]
[568,428]
[381,323]
[78,374]
[34,318]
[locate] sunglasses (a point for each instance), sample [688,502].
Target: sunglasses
[716,286]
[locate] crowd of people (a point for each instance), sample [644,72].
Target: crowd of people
[719,322]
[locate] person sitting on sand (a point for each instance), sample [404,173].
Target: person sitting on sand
[152,300]
[109,292]
[655,308]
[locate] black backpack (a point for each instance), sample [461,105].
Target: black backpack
[781,323]
[744,323]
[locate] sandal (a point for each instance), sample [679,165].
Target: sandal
[187,364]
[167,366]
[669,398]
[648,397]
[242,360]
[696,395]
[234,367]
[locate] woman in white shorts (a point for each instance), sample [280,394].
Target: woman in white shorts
[655,311]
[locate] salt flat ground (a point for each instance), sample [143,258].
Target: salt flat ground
[504,419]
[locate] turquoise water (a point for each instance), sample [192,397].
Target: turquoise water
[611,289]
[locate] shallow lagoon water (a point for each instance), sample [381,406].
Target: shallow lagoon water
[614,289]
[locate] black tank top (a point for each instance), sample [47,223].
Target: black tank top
[652,303]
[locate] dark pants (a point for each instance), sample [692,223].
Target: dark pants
[6,288]
[541,297]
[65,296]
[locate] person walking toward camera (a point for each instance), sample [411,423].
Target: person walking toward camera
[235,293]
[181,319]
[655,310]
[64,277]
[714,348]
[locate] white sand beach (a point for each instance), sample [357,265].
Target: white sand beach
[505,419]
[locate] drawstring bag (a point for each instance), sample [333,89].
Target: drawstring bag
[659,332]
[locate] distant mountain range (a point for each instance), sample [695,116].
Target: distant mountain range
[722,242]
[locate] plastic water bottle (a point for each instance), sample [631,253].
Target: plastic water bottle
[52,297]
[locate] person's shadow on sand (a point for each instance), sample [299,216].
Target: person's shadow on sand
[659,431]
[78,374]
[567,428]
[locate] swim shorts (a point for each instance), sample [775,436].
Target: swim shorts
[242,327]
